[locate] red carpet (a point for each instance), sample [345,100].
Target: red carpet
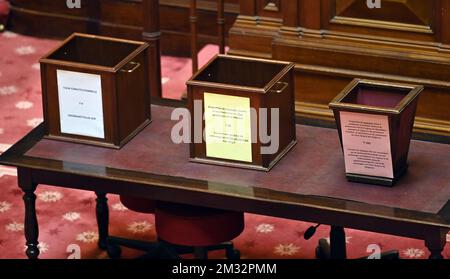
[68,216]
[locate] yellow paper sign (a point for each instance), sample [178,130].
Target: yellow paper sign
[228,127]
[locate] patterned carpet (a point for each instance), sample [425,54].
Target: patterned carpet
[67,217]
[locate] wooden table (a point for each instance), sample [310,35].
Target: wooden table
[308,184]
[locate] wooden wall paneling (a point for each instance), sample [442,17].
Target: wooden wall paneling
[247,8]
[303,20]
[36,18]
[120,18]
[176,38]
[317,85]
[291,19]
[409,19]
[310,17]
[328,55]
[443,23]
[392,11]
[270,8]
[93,12]
[330,44]
[254,29]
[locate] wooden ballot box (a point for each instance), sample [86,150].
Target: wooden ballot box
[95,90]
[242,112]
[375,121]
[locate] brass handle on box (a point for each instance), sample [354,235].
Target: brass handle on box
[283,87]
[135,66]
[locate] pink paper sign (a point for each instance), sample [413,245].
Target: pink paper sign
[366,143]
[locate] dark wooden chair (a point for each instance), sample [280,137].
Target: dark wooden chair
[182,229]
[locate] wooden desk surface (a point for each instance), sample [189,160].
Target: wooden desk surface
[314,167]
[308,184]
[311,176]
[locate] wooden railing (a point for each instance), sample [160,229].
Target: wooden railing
[194,31]
[152,35]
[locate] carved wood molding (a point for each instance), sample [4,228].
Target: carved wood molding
[404,41]
[416,12]
[272,5]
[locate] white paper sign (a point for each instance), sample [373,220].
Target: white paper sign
[366,142]
[80,104]
[228,127]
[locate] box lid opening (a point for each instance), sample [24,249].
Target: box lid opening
[376,96]
[94,50]
[240,72]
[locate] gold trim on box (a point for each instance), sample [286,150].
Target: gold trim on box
[414,92]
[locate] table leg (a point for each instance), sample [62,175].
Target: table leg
[338,249]
[31,223]
[435,243]
[102,214]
